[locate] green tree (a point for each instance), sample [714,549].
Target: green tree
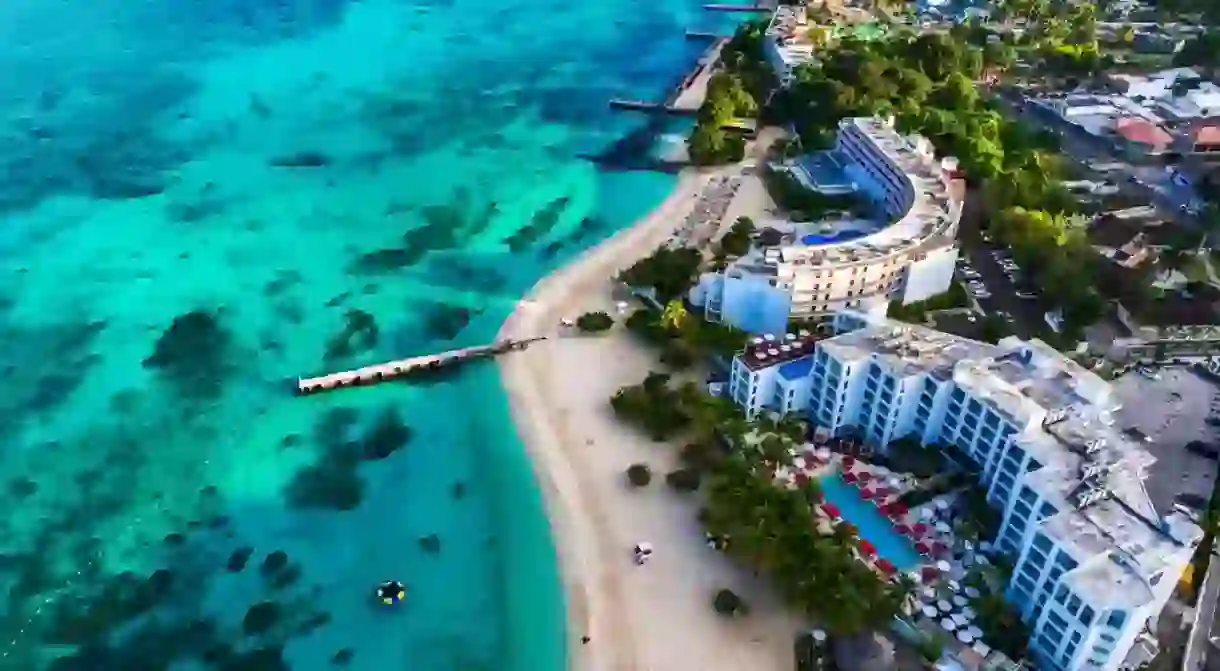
[675,315]
[594,322]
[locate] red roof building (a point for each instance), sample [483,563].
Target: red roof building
[1145,134]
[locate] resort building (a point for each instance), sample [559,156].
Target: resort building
[1097,550]
[786,42]
[905,252]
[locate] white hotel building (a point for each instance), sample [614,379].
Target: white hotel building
[860,265]
[1095,557]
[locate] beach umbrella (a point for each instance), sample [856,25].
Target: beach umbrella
[922,548]
[919,528]
[811,455]
[943,566]
[944,606]
[959,601]
[902,529]
[928,592]
[802,478]
[943,528]
[930,612]
[961,621]
[982,648]
[849,477]
[969,614]
[941,504]
[955,585]
[927,513]
[830,509]
[928,573]
[947,624]
[867,548]
[886,566]
[939,548]
[865,476]
[975,631]
[798,463]
[848,461]
[898,508]
[867,494]
[964,637]
[971,592]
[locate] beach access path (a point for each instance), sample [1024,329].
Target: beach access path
[656,617]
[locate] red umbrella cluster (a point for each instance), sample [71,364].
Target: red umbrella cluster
[830,509]
[928,573]
[867,548]
[919,528]
[886,566]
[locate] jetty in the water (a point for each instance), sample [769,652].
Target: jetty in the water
[405,368]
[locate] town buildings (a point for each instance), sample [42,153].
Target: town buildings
[1095,555]
[1171,111]
[906,251]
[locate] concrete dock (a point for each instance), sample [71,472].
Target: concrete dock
[688,95]
[404,368]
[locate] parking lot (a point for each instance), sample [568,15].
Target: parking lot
[998,289]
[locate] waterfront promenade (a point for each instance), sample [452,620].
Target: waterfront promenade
[658,616]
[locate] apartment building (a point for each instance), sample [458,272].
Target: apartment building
[1095,557]
[906,252]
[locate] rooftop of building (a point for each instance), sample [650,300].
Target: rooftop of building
[929,221]
[1089,466]
[906,349]
[771,350]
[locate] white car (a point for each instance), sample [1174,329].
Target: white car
[970,274]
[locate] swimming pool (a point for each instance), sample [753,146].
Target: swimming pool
[837,236]
[874,527]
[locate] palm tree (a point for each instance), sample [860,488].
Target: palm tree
[674,315]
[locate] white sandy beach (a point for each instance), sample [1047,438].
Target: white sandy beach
[657,617]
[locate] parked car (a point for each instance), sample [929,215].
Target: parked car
[970,274]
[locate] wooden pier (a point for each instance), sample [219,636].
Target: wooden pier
[404,368]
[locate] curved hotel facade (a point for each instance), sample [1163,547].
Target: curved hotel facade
[1097,553]
[819,268]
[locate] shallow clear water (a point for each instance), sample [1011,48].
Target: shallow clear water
[202,201]
[872,525]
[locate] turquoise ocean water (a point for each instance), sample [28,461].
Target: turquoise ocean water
[202,200]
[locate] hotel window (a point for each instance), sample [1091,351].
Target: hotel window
[1116,619]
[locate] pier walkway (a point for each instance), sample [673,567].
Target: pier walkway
[688,95]
[406,367]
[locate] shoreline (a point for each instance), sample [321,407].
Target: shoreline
[592,596]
